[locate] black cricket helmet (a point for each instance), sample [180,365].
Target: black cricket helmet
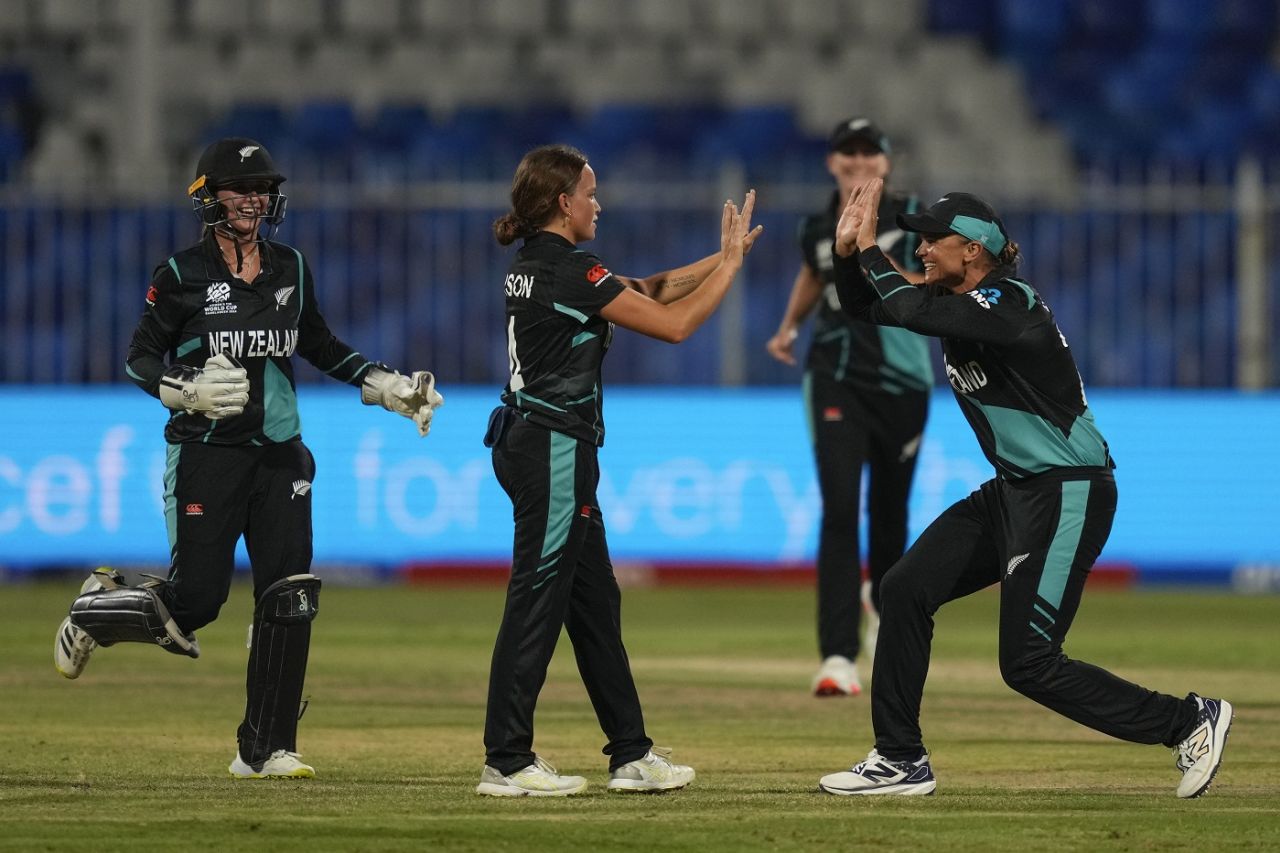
[228,164]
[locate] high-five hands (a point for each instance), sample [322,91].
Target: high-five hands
[736,234]
[857,225]
[414,396]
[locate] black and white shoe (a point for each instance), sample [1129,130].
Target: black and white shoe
[878,775]
[1200,755]
[73,646]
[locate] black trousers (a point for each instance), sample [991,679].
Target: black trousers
[560,576]
[851,429]
[1038,539]
[216,494]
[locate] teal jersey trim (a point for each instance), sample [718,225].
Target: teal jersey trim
[521,397]
[189,346]
[572,312]
[1066,539]
[906,354]
[280,406]
[171,497]
[173,265]
[1026,290]
[582,338]
[594,393]
[129,370]
[898,290]
[339,364]
[560,505]
[1033,444]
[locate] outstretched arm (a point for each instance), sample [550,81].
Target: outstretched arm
[675,320]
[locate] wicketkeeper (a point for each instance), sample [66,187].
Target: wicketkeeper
[223,319]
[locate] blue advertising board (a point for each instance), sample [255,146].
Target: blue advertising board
[687,475]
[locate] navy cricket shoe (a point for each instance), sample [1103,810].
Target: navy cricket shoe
[878,775]
[1200,755]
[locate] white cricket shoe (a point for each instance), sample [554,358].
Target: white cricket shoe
[654,772]
[838,676]
[72,646]
[282,764]
[877,775]
[539,779]
[1200,755]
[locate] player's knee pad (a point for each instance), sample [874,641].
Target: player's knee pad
[130,615]
[289,601]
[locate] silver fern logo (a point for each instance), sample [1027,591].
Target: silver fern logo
[247,151]
[1014,563]
[300,487]
[283,294]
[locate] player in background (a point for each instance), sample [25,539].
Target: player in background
[222,321]
[866,391]
[1036,528]
[562,303]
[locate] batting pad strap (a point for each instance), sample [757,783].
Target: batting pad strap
[130,615]
[292,599]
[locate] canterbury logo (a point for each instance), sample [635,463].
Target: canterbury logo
[1014,563]
[246,151]
[300,487]
[282,296]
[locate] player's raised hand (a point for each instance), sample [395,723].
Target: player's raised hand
[857,225]
[736,234]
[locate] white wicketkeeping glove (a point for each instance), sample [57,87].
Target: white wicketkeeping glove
[220,389]
[414,396]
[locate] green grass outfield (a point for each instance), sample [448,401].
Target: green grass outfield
[133,755]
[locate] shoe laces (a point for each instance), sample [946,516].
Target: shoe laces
[661,753]
[544,765]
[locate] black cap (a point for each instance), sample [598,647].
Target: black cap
[854,131]
[234,160]
[963,214]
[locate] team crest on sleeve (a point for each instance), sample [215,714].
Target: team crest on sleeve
[152,295]
[597,274]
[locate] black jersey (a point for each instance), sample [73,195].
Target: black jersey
[1007,362]
[197,309]
[556,339]
[860,354]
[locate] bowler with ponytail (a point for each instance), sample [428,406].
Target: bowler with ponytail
[562,304]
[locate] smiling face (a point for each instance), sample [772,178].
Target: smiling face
[580,207]
[245,204]
[856,164]
[947,259]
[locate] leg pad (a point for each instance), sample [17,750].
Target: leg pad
[130,615]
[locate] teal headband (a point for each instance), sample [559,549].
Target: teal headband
[980,231]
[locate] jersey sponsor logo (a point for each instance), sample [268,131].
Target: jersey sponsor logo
[986,297]
[597,274]
[254,343]
[247,152]
[520,285]
[283,294]
[300,489]
[152,295]
[195,509]
[966,378]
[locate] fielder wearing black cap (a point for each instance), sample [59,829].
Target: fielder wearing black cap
[1034,529]
[963,214]
[866,392]
[852,133]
